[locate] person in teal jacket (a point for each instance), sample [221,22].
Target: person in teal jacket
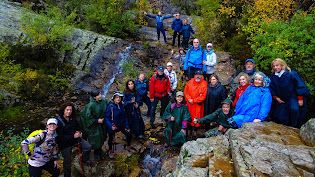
[220,116]
[176,116]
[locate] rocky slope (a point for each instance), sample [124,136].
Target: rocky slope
[257,149]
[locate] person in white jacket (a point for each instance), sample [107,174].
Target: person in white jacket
[211,61]
[171,74]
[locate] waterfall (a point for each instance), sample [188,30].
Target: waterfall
[123,56]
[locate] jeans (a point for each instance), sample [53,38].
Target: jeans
[174,37]
[161,29]
[49,166]
[66,154]
[164,102]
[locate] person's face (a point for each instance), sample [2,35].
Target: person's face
[141,77]
[131,86]
[117,99]
[243,81]
[277,67]
[177,16]
[258,81]
[185,22]
[181,52]
[209,48]
[198,77]
[67,112]
[98,97]
[179,99]
[169,68]
[249,66]
[213,81]
[51,127]
[160,13]
[196,43]
[160,72]
[226,108]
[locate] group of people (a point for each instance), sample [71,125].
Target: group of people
[179,28]
[252,98]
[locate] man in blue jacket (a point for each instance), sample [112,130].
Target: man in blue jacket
[177,28]
[195,60]
[159,23]
[143,87]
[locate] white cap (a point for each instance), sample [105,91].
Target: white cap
[209,44]
[52,121]
[169,64]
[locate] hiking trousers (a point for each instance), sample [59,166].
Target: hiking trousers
[49,166]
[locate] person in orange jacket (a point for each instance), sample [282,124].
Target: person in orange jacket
[195,94]
[159,89]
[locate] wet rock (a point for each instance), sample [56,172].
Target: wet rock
[267,148]
[224,68]
[307,132]
[168,166]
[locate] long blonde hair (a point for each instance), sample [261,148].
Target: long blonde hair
[246,77]
[280,62]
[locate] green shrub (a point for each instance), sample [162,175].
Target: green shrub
[293,41]
[11,113]
[12,159]
[124,165]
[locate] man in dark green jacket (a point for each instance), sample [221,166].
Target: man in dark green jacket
[93,123]
[220,116]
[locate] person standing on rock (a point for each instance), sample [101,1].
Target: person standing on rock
[186,30]
[211,61]
[176,116]
[216,93]
[177,28]
[69,135]
[171,74]
[181,57]
[195,94]
[131,103]
[143,87]
[254,105]
[220,116]
[159,23]
[159,89]
[195,58]
[93,123]
[116,120]
[289,92]
[44,155]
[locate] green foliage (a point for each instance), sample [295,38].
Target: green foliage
[11,113]
[124,165]
[188,6]
[12,159]
[293,41]
[112,16]
[49,29]
[58,82]
[146,46]
[129,70]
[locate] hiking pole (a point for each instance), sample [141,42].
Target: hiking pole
[80,154]
[169,146]
[216,133]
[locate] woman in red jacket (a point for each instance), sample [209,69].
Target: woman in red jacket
[244,81]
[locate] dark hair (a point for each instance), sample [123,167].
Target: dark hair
[215,76]
[63,107]
[95,92]
[173,100]
[127,90]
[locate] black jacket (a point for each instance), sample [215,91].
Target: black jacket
[65,132]
[215,95]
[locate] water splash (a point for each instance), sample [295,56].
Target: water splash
[153,160]
[123,56]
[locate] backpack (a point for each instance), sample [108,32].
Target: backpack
[189,51]
[31,146]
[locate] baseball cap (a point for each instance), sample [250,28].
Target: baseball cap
[160,68]
[198,72]
[52,121]
[169,64]
[179,93]
[252,60]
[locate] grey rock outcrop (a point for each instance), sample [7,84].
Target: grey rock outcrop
[257,149]
[307,132]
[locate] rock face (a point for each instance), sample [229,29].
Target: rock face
[307,132]
[93,55]
[224,68]
[257,149]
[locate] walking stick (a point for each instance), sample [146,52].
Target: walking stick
[80,155]
[216,133]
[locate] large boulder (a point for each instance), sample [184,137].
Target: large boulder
[256,149]
[307,132]
[224,67]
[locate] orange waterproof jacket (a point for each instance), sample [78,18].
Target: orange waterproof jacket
[197,91]
[159,88]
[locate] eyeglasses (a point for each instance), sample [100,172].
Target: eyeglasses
[209,47]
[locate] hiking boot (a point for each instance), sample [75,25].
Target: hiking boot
[111,154]
[130,149]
